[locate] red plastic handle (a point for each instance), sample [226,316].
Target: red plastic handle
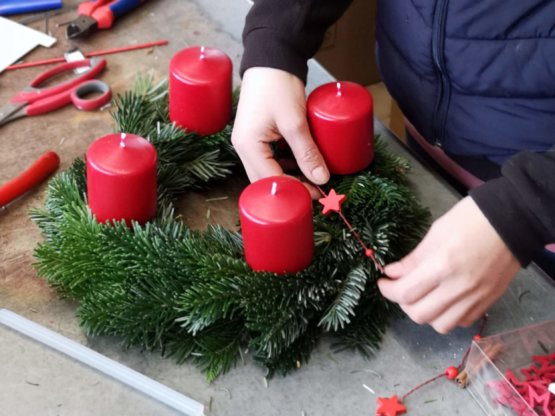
[82,102]
[34,175]
[106,11]
[104,16]
[77,95]
[87,8]
[48,104]
[34,93]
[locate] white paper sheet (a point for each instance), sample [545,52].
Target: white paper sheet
[17,40]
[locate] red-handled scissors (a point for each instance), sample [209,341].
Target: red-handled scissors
[34,100]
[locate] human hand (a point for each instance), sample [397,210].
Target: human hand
[456,272]
[272,105]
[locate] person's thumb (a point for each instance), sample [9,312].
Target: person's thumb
[310,160]
[401,267]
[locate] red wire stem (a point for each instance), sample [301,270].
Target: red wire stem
[465,356]
[420,386]
[89,54]
[368,252]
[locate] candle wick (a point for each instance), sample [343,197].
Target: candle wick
[338,88]
[202,52]
[122,140]
[274,188]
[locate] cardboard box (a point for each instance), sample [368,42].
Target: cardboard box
[348,48]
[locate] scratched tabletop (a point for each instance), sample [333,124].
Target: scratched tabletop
[330,384]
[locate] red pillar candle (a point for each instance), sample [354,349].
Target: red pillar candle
[121,178]
[341,121]
[200,89]
[276,222]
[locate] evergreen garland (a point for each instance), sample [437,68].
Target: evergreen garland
[190,294]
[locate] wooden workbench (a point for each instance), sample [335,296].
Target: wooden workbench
[329,384]
[69,132]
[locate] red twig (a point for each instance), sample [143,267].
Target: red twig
[368,252]
[421,385]
[482,326]
[89,54]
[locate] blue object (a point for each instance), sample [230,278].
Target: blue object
[27,6]
[475,78]
[121,7]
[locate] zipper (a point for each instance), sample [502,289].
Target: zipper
[438,44]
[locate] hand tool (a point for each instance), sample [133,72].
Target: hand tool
[33,100]
[26,6]
[41,16]
[98,14]
[89,54]
[34,175]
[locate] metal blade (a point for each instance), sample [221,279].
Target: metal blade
[81,27]
[11,111]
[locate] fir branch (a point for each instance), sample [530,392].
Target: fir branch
[337,316]
[207,167]
[208,302]
[190,294]
[293,357]
[139,110]
[217,348]
[275,329]
[367,327]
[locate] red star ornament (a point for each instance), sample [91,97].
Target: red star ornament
[531,373]
[545,360]
[332,202]
[390,407]
[520,386]
[547,366]
[536,400]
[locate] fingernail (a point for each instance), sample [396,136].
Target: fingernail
[320,175]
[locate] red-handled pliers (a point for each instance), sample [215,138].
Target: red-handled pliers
[35,100]
[98,14]
[35,174]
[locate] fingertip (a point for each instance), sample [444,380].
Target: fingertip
[314,194]
[443,329]
[320,175]
[384,285]
[308,156]
[393,270]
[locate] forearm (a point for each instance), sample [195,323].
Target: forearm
[284,34]
[521,204]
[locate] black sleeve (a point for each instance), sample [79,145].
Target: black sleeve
[520,205]
[285,34]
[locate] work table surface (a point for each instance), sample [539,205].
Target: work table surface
[331,383]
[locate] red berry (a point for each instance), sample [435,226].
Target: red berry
[477,337]
[369,252]
[451,372]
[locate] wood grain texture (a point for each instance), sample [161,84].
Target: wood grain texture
[69,132]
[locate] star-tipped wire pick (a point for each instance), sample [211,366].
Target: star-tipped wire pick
[390,406]
[332,202]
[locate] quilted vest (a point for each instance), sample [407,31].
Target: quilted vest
[474,77]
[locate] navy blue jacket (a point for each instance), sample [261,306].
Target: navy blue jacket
[475,78]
